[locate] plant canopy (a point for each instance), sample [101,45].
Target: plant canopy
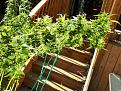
[19,36]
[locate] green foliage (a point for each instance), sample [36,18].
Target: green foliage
[13,53]
[12,9]
[18,36]
[98,30]
[24,7]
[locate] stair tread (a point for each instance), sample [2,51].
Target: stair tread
[66,73]
[73,61]
[52,84]
[82,51]
[68,64]
[56,85]
[79,55]
[69,74]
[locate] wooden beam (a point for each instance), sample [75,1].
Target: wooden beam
[91,69]
[37,9]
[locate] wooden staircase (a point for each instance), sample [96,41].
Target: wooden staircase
[68,74]
[74,67]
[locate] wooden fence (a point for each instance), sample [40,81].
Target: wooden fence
[53,8]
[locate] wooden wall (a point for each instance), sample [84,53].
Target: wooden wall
[53,8]
[108,63]
[109,60]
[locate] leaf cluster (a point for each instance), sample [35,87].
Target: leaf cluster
[13,53]
[99,29]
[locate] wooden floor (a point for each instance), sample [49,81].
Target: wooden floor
[108,61]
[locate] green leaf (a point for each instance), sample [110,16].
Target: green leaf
[116,22]
[4,34]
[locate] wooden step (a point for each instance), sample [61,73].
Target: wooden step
[61,76]
[73,61]
[79,55]
[67,64]
[50,85]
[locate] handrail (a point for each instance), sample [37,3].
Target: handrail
[35,12]
[90,72]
